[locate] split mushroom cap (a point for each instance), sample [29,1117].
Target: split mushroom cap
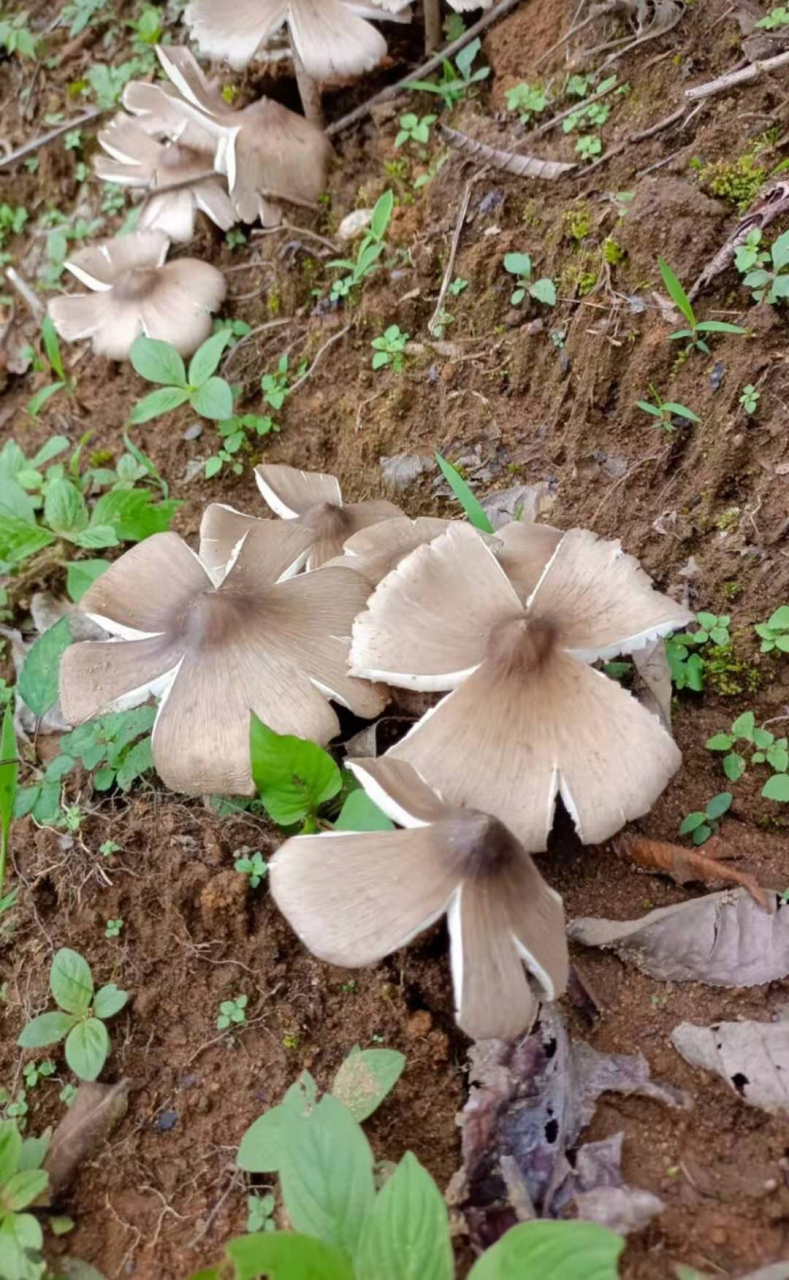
[523,549]
[314,500]
[264,150]
[536,720]
[133,292]
[379,548]
[265,641]
[158,109]
[331,37]
[135,159]
[354,898]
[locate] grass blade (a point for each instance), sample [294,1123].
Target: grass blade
[474,511]
[676,292]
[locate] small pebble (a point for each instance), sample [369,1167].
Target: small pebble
[194,431]
[166,1120]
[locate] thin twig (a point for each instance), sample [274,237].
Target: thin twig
[302,231]
[25,292]
[432,64]
[734,78]
[319,355]
[433,323]
[46,138]
[261,328]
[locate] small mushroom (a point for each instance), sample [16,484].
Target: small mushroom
[135,159]
[527,708]
[379,548]
[355,898]
[264,641]
[133,292]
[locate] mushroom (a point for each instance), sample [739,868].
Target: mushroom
[264,641]
[376,550]
[528,718]
[309,498]
[266,152]
[135,159]
[354,898]
[134,291]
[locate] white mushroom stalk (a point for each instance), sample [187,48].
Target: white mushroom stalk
[265,641]
[355,898]
[133,291]
[528,719]
[181,180]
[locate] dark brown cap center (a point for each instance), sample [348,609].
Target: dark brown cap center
[327,519]
[136,283]
[520,644]
[479,845]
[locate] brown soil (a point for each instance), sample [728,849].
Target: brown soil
[160,1202]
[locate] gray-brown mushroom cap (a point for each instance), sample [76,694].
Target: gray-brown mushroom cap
[536,720]
[264,641]
[134,291]
[355,898]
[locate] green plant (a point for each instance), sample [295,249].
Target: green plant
[81,13]
[774,633]
[528,100]
[750,254]
[772,284]
[260,1213]
[370,249]
[22,1181]
[15,1107]
[68,1095]
[695,327]
[113,929]
[294,777]
[687,669]
[16,36]
[745,729]
[589,145]
[414,129]
[738,180]
[34,1072]
[109,848]
[389,348]
[458,286]
[159,362]
[12,222]
[455,81]
[474,510]
[235,434]
[665,411]
[254,866]
[701,824]
[49,339]
[148,27]
[276,386]
[232,1013]
[519,265]
[777,17]
[749,398]
[9,780]
[81,1020]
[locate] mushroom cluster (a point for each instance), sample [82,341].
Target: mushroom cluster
[337,603]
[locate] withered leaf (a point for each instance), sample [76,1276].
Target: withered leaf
[96,1111]
[509,161]
[724,939]
[685,865]
[752,1057]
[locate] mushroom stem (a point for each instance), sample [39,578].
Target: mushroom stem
[309,92]
[432,25]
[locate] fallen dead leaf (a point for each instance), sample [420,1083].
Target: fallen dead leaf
[96,1111]
[752,1058]
[686,865]
[651,664]
[600,1194]
[724,939]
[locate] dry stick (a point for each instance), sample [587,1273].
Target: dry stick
[46,138]
[635,137]
[434,319]
[319,355]
[733,78]
[432,12]
[302,231]
[419,73]
[25,292]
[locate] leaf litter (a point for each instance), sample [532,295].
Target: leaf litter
[751,1057]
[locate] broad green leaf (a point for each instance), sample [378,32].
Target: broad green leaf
[552,1251]
[15,503]
[87,1047]
[36,403]
[365,1078]
[719,326]
[49,338]
[381,215]
[719,805]
[71,981]
[265,1144]
[743,725]
[33,1152]
[681,410]
[778,759]
[214,399]
[778,621]
[782,643]
[327,1178]
[109,1000]
[76,1269]
[720,742]
[293,777]
[206,359]
[50,449]
[518,264]
[21,1239]
[157,403]
[283,1255]
[138,761]
[762,738]
[47,1029]
[406,1237]
[65,509]
[777,787]
[734,766]
[9,776]
[133,514]
[690,823]
[472,507]
[676,292]
[38,679]
[10,1149]
[648,408]
[158,362]
[81,574]
[360,813]
[780,251]
[544,291]
[23,1188]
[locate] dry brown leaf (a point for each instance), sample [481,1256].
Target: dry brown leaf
[96,1111]
[685,865]
[752,1057]
[724,939]
[509,161]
